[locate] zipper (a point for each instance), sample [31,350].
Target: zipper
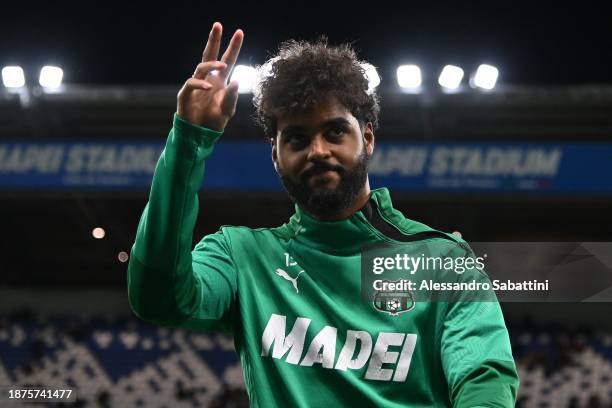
[419,236]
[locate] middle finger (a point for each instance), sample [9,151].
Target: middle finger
[231,54]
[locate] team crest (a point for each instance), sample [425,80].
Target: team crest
[394,302]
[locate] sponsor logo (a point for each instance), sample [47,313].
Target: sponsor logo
[359,351]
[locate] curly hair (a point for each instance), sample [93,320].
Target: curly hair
[304,74]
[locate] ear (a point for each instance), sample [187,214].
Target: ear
[368,138]
[274,154]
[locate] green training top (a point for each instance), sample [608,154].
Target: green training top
[291,297]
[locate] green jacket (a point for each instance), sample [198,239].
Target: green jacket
[291,298]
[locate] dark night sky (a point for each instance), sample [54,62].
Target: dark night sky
[123,43]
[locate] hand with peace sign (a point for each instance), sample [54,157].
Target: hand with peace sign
[206,99]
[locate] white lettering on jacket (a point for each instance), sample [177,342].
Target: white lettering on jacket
[322,349]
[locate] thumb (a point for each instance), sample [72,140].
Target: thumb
[230,99]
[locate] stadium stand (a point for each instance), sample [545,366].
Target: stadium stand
[114,363]
[124,362]
[94,344]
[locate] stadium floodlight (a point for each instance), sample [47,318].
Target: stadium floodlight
[98,233]
[13,77]
[123,257]
[51,77]
[371,75]
[485,77]
[450,77]
[409,77]
[246,77]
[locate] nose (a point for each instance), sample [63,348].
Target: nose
[319,149]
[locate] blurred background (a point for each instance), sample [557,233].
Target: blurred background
[496,122]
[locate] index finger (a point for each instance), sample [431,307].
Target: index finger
[231,54]
[211,52]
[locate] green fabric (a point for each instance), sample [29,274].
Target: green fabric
[311,341]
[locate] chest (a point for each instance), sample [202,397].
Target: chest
[327,288]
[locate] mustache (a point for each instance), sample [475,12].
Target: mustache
[321,167]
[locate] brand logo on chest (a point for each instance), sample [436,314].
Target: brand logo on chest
[290,263]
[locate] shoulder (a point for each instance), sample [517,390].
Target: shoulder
[438,241]
[410,227]
[381,198]
[229,236]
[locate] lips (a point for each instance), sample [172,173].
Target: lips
[320,172]
[324,174]
[322,179]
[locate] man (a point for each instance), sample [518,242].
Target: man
[291,295]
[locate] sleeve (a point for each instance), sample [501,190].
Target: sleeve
[168,283]
[476,353]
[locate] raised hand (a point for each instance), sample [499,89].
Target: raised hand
[206,99]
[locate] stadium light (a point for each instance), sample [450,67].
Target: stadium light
[51,77]
[98,233]
[246,77]
[371,75]
[450,77]
[485,77]
[13,77]
[409,77]
[123,257]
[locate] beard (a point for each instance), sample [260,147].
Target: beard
[327,202]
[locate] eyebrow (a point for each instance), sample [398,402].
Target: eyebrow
[328,123]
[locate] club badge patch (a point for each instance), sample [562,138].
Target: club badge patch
[394,302]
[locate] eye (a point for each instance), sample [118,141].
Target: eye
[296,140]
[336,132]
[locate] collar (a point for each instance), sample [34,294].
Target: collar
[344,236]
